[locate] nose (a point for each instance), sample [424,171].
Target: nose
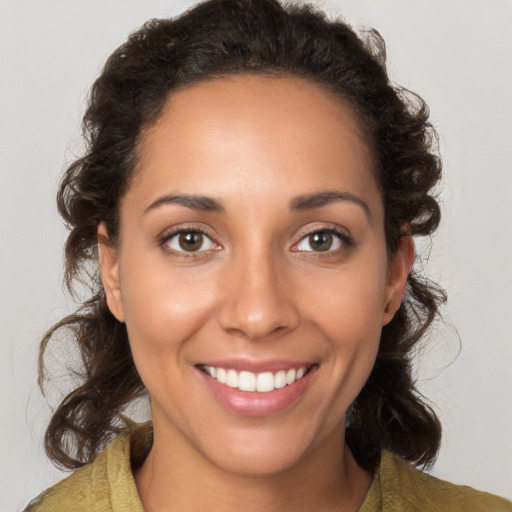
[257,300]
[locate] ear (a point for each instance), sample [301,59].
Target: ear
[398,271]
[109,270]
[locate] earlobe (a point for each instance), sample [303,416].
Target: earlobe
[398,273]
[109,270]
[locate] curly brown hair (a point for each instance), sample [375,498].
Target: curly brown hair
[215,38]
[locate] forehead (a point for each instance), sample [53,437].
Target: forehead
[255,133]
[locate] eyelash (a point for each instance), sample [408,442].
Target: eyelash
[345,240]
[164,240]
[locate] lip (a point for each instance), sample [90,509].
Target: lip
[253,403]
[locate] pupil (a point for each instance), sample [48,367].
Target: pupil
[191,241]
[320,241]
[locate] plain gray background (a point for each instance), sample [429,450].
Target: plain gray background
[455,53]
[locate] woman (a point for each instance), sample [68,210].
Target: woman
[250,192]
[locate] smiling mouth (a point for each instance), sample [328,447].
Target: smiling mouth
[263,382]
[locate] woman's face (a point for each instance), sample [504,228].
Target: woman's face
[252,249]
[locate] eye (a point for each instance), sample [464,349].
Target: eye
[322,241]
[189,241]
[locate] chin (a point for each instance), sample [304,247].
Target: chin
[265,451]
[256,460]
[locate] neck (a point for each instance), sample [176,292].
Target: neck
[175,477]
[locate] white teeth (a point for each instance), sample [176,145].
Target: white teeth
[261,382]
[280,379]
[247,381]
[221,375]
[232,379]
[265,382]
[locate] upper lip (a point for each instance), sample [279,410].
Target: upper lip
[256,366]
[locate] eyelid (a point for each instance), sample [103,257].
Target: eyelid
[169,234]
[339,233]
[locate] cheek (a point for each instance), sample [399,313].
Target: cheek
[163,308]
[349,302]
[347,308]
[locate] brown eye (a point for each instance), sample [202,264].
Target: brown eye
[190,241]
[321,241]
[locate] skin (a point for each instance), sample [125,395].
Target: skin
[256,290]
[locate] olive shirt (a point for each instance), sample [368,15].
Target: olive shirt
[107,485]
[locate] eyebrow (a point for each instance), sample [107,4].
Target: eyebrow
[299,203]
[201,203]
[324,198]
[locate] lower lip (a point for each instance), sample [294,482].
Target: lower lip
[252,403]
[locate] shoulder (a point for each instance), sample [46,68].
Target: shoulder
[74,493]
[104,485]
[404,487]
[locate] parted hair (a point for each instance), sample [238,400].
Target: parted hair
[223,37]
